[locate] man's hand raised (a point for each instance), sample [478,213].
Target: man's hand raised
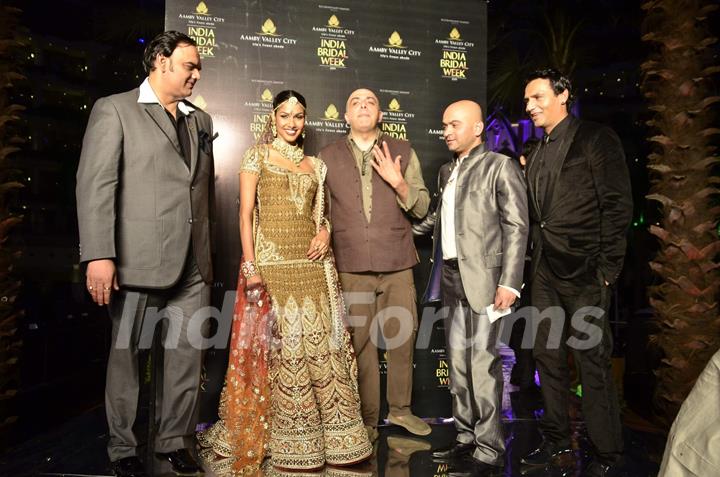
[390,170]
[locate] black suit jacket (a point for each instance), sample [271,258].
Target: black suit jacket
[580,227]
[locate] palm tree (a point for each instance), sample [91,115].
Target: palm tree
[515,49]
[677,83]
[9,285]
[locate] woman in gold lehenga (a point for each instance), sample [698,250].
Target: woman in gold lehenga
[290,389]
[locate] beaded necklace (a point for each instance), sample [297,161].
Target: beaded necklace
[292,153]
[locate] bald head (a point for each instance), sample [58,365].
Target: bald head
[362,111]
[462,126]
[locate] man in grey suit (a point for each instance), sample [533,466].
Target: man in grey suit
[144,192]
[481,226]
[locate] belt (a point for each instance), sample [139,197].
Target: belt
[451,263]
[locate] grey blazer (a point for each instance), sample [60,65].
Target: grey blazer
[137,201]
[491,224]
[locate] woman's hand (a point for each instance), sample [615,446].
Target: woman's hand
[319,245]
[254,282]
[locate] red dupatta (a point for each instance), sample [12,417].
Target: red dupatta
[240,439]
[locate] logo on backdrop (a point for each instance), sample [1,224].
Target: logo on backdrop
[200,26]
[268,36]
[261,107]
[442,372]
[332,113]
[395,118]
[454,50]
[395,49]
[332,48]
[330,121]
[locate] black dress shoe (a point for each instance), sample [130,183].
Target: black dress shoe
[182,462]
[471,467]
[599,469]
[544,454]
[128,467]
[455,451]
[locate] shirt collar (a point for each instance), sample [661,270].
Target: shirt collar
[378,136]
[479,148]
[558,130]
[148,96]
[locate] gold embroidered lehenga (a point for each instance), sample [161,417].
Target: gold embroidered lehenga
[305,411]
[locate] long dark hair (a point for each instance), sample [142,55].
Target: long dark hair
[267,136]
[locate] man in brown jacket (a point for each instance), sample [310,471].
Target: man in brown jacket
[375,184]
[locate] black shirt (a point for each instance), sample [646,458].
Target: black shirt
[548,159]
[183,134]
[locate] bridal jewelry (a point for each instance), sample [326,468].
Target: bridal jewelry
[248,269]
[291,101]
[294,154]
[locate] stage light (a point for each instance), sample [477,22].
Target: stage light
[141,40]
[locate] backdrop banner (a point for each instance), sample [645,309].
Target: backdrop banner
[418,56]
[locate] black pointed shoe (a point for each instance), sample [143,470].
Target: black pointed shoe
[182,462]
[457,450]
[128,467]
[472,467]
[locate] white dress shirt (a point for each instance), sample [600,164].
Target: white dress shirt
[447,214]
[148,96]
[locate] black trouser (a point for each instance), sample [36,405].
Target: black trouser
[599,398]
[523,371]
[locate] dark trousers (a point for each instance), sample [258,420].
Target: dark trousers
[523,371]
[135,312]
[599,399]
[476,379]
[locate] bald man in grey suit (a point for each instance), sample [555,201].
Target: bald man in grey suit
[144,192]
[481,225]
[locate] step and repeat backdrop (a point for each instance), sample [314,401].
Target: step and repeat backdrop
[418,56]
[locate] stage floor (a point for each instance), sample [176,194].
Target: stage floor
[77,448]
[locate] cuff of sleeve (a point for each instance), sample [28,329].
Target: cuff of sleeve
[517,293]
[412,197]
[326,223]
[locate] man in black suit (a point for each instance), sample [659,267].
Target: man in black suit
[580,209]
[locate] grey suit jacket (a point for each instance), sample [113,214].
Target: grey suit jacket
[137,201]
[491,224]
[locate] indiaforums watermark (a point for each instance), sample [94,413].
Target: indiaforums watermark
[583,331]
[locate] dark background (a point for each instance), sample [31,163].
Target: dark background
[79,50]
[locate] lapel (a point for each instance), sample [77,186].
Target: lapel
[476,154]
[532,171]
[193,131]
[443,176]
[563,150]
[158,114]
[445,173]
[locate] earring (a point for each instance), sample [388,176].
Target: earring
[273,129]
[303,134]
